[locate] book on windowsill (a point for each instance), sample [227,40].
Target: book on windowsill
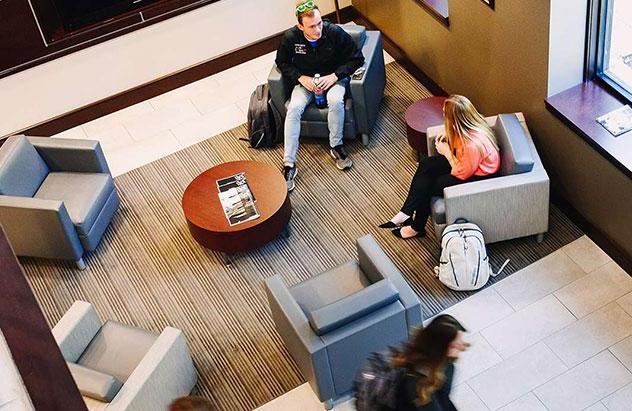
[617,122]
[237,200]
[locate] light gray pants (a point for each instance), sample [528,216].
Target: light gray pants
[301,97]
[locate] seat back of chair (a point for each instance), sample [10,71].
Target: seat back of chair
[349,347]
[342,312]
[22,170]
[515,153]
[357,33]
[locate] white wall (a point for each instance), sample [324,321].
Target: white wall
[13,394]
[60,86]
[567,37]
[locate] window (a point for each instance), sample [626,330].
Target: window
[614,59]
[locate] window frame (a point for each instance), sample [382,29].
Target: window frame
[599,24]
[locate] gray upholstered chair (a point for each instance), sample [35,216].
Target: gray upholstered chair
[120,367]
[333,321]
[57,196]
[514,204]
[362,102]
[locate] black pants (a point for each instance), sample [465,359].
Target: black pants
[431,177]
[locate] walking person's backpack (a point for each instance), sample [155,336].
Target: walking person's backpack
[265,126]
[464,264]
[376,385]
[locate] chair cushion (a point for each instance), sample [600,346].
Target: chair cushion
[22,170]
[352,307]
[117,349]
[330,286]
[357,33]
[83,194]
[94,384]
[515,153]
[437,208]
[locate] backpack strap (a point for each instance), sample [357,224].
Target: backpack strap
[502,267]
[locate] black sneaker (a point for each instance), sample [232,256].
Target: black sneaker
[289,173]
[340,156]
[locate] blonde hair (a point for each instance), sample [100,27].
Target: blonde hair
[461,119]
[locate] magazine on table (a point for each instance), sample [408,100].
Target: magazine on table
[618,121]
[237,200]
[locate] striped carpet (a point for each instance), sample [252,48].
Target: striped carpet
[149,272]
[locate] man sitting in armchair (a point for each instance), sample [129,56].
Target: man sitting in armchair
[315,47]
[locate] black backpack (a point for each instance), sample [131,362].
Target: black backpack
[265,126]
[376,385]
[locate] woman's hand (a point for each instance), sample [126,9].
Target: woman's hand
[441,145]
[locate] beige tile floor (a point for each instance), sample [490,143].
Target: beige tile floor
[556,335]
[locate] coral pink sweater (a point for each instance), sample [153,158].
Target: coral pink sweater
[469,160]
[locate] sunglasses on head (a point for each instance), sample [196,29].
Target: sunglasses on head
[305,6]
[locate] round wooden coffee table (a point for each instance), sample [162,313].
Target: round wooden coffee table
[422,114]
[205,215]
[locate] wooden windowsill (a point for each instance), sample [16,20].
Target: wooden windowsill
[437,8]
[579,106]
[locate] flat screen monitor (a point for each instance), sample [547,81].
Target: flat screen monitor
[76,14]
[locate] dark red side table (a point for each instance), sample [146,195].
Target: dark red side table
[420,115]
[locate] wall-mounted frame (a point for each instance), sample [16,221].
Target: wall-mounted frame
[490,3]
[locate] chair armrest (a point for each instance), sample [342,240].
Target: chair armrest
[278,88]
[74,331]
[305,347]
[368,91]
[165,373]
[504,207]
[66,154]
[39,228]
[376,265]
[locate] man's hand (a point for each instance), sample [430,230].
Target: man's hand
[307,82]
[327,81]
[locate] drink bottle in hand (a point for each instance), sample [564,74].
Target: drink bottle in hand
[319,93]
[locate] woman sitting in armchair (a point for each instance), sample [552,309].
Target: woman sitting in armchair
[468,152]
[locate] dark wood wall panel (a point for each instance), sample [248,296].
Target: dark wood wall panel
[24,44]
[20,39]
[35,352]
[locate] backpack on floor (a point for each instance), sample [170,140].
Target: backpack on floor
[376,385]
[464,264]
[265,126]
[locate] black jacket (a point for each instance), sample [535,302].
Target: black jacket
[407,393]
[336,52]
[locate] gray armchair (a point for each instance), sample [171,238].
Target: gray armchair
[362,102]
[57,196]
[120,367]
[332,322]
[514,204]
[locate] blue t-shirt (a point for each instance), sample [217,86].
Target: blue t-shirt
[313,43]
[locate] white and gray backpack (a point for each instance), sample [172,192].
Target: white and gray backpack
[464,264]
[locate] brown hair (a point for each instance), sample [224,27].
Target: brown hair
[308,12]
[191,403]
[428,350]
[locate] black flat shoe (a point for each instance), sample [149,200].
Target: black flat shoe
[390,224]
[398,233]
